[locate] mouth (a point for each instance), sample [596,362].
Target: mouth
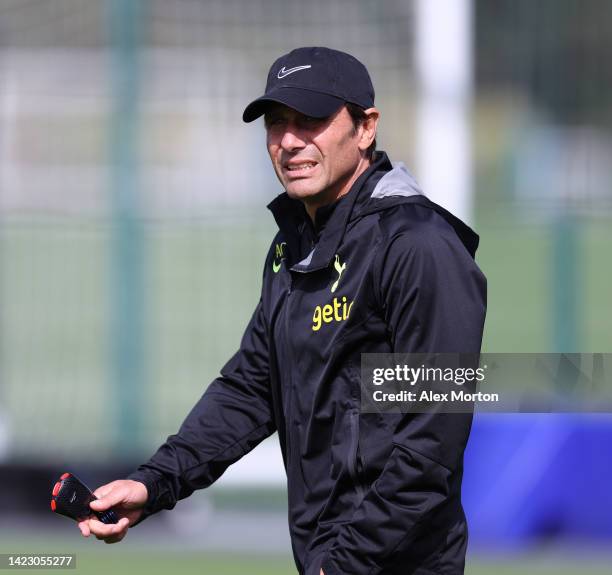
[299,169]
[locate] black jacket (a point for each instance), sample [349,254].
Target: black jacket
[382,270]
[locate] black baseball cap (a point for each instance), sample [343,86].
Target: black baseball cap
[315,81]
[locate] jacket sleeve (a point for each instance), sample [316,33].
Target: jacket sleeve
[231,418]
[433,297]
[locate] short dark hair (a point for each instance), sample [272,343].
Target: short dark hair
[357,114]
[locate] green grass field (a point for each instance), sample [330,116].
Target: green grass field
[153,562]
[184,564]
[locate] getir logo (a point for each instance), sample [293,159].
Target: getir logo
[337,310]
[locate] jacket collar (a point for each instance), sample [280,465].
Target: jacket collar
[290,216]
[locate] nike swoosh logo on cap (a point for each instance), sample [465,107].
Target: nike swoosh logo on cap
[282,72]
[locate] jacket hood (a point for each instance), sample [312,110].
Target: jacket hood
[398,186]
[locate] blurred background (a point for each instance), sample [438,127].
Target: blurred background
[133,231]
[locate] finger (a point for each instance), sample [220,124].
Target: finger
[104,490]
[111,489]
[108,498]
[115,538]
[100,504]
[84,527]
[123,524]
[104,531]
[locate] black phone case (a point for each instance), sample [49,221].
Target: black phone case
[71,498]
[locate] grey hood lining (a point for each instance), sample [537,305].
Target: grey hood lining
[306,261]
[397,182]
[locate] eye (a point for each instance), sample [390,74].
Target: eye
[274,121]
[310,120]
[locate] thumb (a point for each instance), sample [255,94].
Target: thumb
[107,498]
[100,504]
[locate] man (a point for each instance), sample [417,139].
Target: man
[362,263]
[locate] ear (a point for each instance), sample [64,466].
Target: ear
[368,128]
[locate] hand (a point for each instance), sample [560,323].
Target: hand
[321,572]
[127,498]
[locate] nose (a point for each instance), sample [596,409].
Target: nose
[291,139]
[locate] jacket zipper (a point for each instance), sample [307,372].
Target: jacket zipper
[289,356]
[353,454]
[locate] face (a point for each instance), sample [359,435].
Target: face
[316,160]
